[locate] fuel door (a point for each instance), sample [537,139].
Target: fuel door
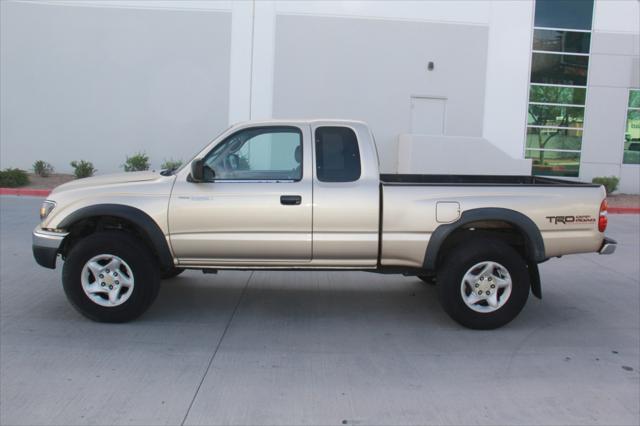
[447,211]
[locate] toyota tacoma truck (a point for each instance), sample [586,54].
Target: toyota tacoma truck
[308,195]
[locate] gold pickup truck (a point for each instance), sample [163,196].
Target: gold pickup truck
[307,195]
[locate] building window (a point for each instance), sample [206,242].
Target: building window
[632,131]
[551,68]
[572,14]
[554,129]
[561,41]
[558,86]
[557,95]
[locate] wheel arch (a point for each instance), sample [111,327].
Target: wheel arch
[142,223]
[524,226]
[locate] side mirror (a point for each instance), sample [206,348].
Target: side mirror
[197,170]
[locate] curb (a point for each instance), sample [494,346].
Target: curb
[25,191]
[45,192]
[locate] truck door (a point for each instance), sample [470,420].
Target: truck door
[255,206]
[346,197]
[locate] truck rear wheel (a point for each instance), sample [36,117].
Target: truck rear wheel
[483,284]
[110,277]
[428,279]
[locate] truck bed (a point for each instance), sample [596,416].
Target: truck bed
[410,210]
[477,180]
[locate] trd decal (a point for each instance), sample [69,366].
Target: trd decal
[568,220]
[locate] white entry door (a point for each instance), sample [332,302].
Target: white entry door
[428,115]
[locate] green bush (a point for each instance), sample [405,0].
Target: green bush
[136,163]
[171,164]
[83,169]
[42,168]
[13,178]
[610,183]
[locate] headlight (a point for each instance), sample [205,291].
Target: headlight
[46,208]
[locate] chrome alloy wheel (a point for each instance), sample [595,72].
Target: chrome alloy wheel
[107,280]
[486,287]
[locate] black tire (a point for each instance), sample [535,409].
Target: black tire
[462,258]
[173,272]
[143,265]
[428,279]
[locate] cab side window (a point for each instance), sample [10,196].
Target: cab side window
[264,153]
[337,154]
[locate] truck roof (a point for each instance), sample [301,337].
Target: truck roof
[310,121]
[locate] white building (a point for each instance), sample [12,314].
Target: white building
[96,80]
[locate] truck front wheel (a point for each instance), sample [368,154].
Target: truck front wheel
[171,273]
[110,277]
[483,284]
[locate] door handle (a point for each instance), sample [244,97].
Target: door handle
[290,200]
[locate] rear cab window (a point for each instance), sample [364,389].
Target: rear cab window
[337,154]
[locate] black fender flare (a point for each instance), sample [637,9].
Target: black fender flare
[534,279]
[534,241]
[140,219]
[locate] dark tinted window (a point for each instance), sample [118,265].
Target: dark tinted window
[555,163]
[571,14]
[550,68]
[634,99]
[554,115]
[565,139]
[632,135]
[337,155]
[557,95]
[561,41]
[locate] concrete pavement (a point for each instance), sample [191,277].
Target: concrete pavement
[326,348]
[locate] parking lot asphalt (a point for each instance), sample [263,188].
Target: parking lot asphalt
[325,348]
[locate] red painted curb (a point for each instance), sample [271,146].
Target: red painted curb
[624,210]
[25,191]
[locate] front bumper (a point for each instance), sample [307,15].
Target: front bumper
[608,246]
[46,245]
